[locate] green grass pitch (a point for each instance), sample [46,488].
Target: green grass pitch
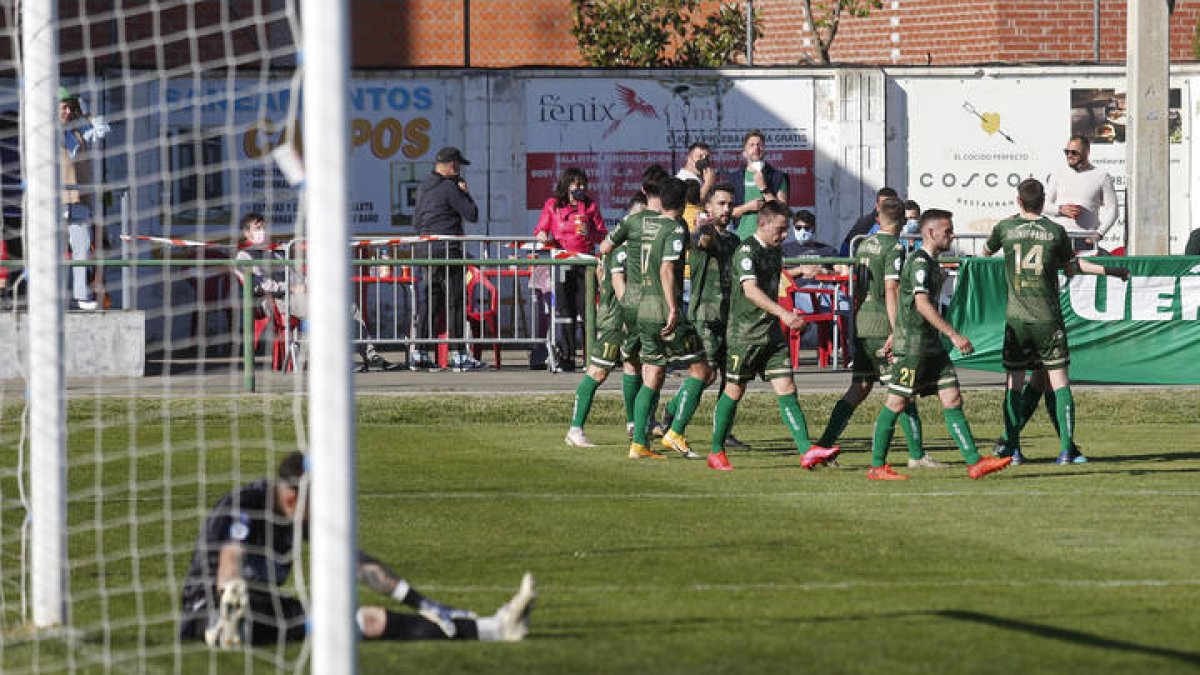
[668,567]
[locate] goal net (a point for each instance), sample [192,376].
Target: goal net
[146,373]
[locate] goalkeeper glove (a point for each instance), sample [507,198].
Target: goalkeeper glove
[227,631]
[444,615]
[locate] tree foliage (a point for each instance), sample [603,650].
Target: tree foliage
[825,17]
[658,33]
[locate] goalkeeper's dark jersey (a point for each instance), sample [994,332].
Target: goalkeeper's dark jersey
[245,516]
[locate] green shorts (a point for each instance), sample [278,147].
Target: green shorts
[770,361]
[869,366]
[607,349]
[712,338]
[1029,345]
[921,374]
[682,347]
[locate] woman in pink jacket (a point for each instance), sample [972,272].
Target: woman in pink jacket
[570,221]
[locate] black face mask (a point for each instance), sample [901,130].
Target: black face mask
[702,164]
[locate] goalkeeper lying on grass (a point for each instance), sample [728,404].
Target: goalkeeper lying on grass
[232,593]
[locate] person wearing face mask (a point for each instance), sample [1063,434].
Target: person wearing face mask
[699,168]
[912,224]
[755,185]
[570,221]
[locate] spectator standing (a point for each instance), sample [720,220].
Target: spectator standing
[1193,243]
[443,202]
[868,224]
[570,221]
[79,135]
[755,185]
[1081,196]
[699,168]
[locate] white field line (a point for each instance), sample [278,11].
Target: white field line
[840,586]
[610,496]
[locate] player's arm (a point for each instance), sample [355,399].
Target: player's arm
[229,564]
[376,576]
[666,275]
[614,239]
[891,302]
[618,284]
[759,298]
[927,311]
[1080,265]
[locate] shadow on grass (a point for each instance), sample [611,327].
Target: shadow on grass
[1068,635]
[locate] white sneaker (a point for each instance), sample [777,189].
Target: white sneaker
[461,363]
[575,438]
[226,633]
[926,462]
[512,618]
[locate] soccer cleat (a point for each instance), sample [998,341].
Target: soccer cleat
[732,441]
[884,473]
[926,462]
[512,618]
[639,451]
[226,633]
[1072,456]
[1000,449]
[818,455]
[1018,458]
[987,465]
[576,439]
[660,429]
[718,461]
[679,444]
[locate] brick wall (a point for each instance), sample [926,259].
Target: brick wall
[951,32]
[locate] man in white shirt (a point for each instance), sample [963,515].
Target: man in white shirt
[1081,197]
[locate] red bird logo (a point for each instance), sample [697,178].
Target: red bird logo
[634,104]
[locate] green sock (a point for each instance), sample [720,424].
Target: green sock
[1051,397]
[723,422]
[672,408]
[793,419]
[960,431]
[838,419]
[583,400]
[687,400]
[910,423]
[1064,413]
[641,413]
[630,384]
[885,427]
[1013,418]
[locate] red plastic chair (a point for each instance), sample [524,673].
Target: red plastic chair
[825,322]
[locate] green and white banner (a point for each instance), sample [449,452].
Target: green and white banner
[1142,331]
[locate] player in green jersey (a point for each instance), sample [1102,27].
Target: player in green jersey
[922,365]
[1036,249]
[710,257]
[656,244]
[754,340]
[880,258]
[608,346]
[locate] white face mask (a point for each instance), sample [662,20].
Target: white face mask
[803,235]
[258,237]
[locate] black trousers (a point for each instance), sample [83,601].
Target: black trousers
[568,300]
[444,292]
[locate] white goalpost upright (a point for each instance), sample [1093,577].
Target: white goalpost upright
[47,407]
[332,441]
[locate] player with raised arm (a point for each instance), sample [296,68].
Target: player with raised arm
[232,593]
[880,259]
[1036,249]
[657,246]
[922,365]
[609,346]
[755,343]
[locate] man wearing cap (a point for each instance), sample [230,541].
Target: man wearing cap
[443,203]
[79,134]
